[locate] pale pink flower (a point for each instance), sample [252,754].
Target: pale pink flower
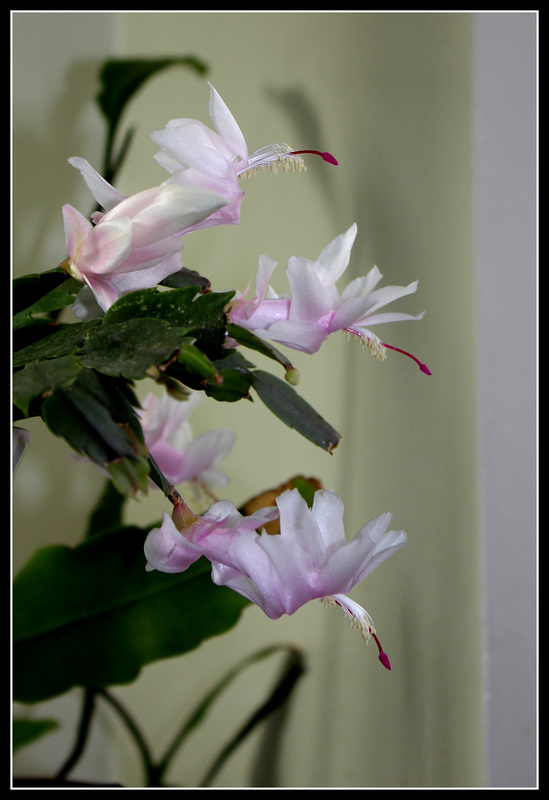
[173,548]
[137,242]
[314,308]
[309,559]
[180,456]
[196,155]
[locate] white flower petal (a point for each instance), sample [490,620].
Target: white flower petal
[105,194]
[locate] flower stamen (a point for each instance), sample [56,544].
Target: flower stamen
[272,156]
[377,349]
[359,618]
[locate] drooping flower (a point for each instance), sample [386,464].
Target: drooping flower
[309,559]
[196,155]
[304,318]
[137,242]
[183,538]
[169,439]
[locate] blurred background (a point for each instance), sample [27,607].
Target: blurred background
[432,117]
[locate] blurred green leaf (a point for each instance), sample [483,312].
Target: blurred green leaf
[293,410]
[108,511]
[200,712]
[96,418]
[307,487]
[41,294]
[44,376]
[26,731]
[93,616]
[293,669]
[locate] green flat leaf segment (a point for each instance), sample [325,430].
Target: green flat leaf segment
[248,339]
[35,379]
[59,340]
[182,308]
[93,616]
[26,731]
[293,410]
[96,577]
[96,419]
[131,347]
[41,294]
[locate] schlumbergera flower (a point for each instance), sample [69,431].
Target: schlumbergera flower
[195,155]
[137,242]
[309,559]
[169,439]
[314,308]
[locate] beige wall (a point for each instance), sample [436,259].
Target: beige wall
[390,96]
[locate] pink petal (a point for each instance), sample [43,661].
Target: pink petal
[334,259]
[105,194]
[225,124]
[308,337]
[106,248]
[77,229]
[309,297]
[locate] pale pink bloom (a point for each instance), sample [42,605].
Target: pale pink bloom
[180,456]
[309,559]
[168,549]
[314,308]
[137,242]
[196,155]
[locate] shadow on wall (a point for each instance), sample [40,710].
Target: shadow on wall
[43,180]
[297,106]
